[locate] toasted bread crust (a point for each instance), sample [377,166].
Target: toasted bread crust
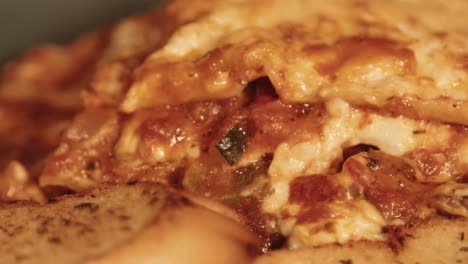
[437,241]
[121,224]
[181,235]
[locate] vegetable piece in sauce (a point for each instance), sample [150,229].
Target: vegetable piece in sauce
[245,175]
[233,144]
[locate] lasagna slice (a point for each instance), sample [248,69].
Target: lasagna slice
[322,123]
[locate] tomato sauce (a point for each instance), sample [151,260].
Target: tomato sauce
[313,189]
[390,185]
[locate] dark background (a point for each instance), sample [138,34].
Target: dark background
[25,23]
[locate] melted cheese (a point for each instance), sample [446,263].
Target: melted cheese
[347,127]
[393,135]
[238,42]
[357,220]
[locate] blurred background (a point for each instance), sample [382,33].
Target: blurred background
[25,23]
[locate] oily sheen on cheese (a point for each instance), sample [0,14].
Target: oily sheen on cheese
[320,122]
[320,66]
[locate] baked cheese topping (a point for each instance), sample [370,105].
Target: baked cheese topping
[310,62]
[320,122]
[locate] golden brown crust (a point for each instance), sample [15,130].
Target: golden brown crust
[360,252]
[438,241]
[186,235]
[124,224]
